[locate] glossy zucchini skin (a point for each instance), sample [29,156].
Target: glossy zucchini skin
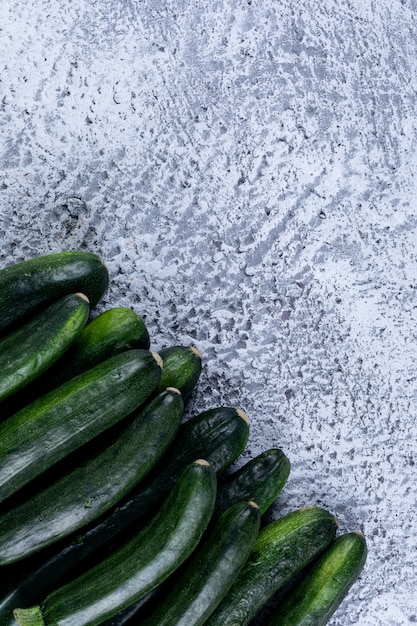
[32,348]
[218,434]
[210,571]
[111,332]
[283,548]
[261,479]
[53,426]
[138,566]
[30,286]
[85,492]
[315,599]
[182,368]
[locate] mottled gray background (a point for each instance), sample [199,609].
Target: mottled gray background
[247,171]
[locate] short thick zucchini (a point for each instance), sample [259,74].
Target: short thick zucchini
[261,479]
[32,348]
[53,426]
[141,564]
[314,600]
[283,548]
[182,368]
[219,434]
[111,332]
[85,492]
[210,572]
[30,286]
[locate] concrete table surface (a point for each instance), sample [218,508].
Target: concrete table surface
[247,170]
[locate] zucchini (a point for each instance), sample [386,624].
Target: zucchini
[319,593]
[30,286]
[283,548]
[85,492]
[210,571]
[219,434]
[109,333]
[139,565]
[182,368]
[56,424]
[32,348]
[261,479]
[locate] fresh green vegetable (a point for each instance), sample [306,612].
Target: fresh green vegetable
[261,479]
[51,427]
[219,434]
[111,332]
[283,548]
[32,348]
[88,490]
[30,286]
[210,571]
[315,599]
[182,368]
[141,564]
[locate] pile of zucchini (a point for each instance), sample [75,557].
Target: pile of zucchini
[116,508]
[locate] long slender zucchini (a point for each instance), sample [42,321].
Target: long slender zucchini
[261,479]
[218,434]
[113,331]
[182,368]
[51,427]
[138,566]
[30,286]
[32,348]
[210,572]
[283,548]
[85,492]
[315,599]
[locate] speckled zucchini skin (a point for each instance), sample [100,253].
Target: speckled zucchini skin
[141,564]
[315,599]
[110,333]
[283,548]
[35,346]
[261,479]
[30,286]
[218,434]
[85,492]
[210,572]
[53,426]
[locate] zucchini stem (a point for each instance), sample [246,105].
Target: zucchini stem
[29,617]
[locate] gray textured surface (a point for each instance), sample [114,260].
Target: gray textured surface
[247,171]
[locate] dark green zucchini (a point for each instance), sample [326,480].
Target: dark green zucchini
[182,368]
[210,571]
[109,333]
[88,490]
[321,590]
[283,548]
[139,565]
[53,426]
[261,479]
[32,348]
[219,434]
[30,286]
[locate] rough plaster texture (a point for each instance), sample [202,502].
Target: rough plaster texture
[248,172]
